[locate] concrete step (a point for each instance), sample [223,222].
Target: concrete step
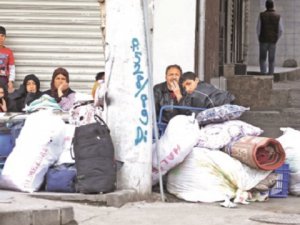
[272,120]
[262,93]
[284,98]
[288,75]
[274,100]
[281,73]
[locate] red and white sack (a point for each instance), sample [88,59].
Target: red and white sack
[177,142]
[38,146]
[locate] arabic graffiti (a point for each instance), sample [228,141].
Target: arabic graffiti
[141,93]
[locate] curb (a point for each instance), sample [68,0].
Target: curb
[54,216]
[115,199]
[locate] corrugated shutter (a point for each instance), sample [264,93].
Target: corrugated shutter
[45,35]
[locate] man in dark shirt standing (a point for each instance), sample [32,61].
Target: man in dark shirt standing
[269,30]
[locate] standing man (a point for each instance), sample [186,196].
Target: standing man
[7,63]
[269,29]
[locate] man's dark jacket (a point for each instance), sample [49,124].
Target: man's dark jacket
[163,96]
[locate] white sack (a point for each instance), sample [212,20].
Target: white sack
[291,145]
[176,143]
[210,176]
[67,152]
[38,146]
[294,185]
[79,97]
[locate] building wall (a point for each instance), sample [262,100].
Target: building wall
[288,46]
[173,36]
[211,40]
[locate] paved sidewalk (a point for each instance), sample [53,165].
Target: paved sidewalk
[21,206]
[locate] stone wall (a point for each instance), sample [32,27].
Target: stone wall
[251,91]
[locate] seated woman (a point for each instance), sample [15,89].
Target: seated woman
[27,93]
[3,98]
[60,89]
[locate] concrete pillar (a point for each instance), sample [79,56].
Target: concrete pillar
[129,114]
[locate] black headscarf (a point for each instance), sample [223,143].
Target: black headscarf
[34,78]
[3,86]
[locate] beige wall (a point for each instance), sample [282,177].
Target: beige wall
[173,36]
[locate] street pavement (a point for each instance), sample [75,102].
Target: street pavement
[151,211]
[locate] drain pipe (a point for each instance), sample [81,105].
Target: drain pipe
[151,94]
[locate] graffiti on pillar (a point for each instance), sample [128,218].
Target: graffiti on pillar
[141,93]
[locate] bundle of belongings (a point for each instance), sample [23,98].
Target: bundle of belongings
[52,154]
[213,156]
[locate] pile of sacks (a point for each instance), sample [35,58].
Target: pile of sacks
[196,154]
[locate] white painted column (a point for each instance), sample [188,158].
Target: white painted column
[129,114]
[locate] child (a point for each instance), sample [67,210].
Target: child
[3,98]
[7,63]
[203,95]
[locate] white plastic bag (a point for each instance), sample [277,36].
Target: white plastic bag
[176,143]
[210,176]
[38,146]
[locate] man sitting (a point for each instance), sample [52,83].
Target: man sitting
[169,92]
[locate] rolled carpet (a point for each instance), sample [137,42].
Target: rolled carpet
[258,152]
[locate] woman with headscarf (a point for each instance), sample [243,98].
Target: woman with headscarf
[27,93]
[60,89]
